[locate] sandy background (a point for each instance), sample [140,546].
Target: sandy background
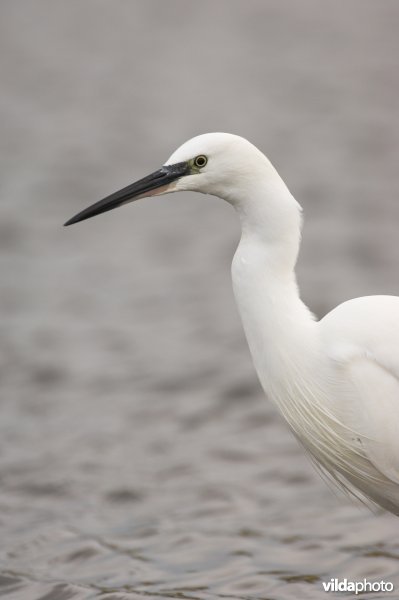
[138,456]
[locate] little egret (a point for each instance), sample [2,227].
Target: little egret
[335,381]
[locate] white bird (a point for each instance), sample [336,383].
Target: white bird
[336,381]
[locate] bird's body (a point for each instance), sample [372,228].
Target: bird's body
[336,381]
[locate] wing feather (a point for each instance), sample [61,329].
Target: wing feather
[362,337]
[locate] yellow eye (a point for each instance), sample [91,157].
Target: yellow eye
[200,161]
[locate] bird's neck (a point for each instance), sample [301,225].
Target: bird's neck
[280,330]
[284,338]
[270,223]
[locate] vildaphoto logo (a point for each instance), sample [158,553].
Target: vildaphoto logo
[358,587]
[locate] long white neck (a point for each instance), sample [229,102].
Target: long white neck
[279,328]
[282,334]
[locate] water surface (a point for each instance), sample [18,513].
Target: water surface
[138,455]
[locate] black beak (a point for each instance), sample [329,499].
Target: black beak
[157,183]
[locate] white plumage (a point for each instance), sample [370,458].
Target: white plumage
[336,381]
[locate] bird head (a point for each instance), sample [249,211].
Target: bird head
[213,163]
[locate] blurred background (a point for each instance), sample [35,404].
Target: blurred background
[138,455]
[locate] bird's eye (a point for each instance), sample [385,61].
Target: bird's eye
[200,161]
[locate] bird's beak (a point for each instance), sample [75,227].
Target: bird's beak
[159,182]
